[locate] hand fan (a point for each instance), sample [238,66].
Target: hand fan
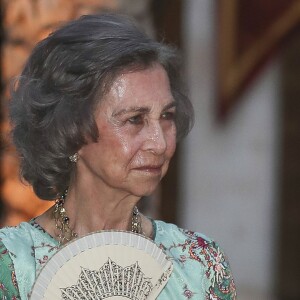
[104,265]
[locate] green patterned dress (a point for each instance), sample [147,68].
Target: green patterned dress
[201,270]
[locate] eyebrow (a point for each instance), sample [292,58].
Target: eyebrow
[142,110]
[170,105]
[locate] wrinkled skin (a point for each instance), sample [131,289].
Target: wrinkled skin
[137,135]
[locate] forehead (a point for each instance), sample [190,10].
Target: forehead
[146,86]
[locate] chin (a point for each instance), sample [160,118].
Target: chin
[141,192]
[144,193]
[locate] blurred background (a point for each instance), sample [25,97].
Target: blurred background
[236,177]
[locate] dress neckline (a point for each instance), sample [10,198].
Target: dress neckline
[36,225]
[33,223]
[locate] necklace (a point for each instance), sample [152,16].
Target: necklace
[62,221]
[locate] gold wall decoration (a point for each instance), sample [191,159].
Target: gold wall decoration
[248,32]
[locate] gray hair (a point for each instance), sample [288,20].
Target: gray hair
[64,79]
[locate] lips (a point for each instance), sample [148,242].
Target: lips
[150,168]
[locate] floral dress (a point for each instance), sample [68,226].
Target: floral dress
[201,270]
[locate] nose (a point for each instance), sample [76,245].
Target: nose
[155,139]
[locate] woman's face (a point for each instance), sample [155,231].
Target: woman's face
[137,134]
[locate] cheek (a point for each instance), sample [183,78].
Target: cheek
[112,139]
[171,142]
[172,147]
[125,144]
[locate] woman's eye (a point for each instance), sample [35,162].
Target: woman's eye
[168,115]
[136,120]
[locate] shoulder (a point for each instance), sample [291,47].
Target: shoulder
[199,246]
[28,247]
[25,240]
[170,233]
[190,248]
[16,256]
[11,231]
[16,236]
[17,242]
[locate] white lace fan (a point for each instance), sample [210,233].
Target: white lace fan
[104,265]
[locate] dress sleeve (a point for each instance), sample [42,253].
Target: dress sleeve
[8,283]
[222,283]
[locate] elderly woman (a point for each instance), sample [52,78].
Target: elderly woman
[96,115]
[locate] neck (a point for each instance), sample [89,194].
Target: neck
[93,207]
[90,208]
